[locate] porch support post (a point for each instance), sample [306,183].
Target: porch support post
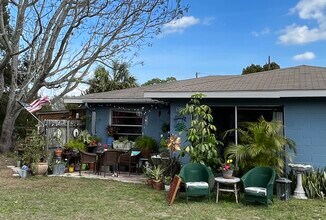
[236,124]
[93,122]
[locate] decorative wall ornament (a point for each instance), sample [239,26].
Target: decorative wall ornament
[75,132]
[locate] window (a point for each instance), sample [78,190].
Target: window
[128,123]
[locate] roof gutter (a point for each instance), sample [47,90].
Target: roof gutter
[122,101]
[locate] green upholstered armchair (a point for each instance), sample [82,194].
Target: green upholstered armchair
[258,185]
[198,180]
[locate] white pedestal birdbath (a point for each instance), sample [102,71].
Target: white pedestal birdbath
[299,192]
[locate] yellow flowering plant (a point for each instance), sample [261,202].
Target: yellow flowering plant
[228,165]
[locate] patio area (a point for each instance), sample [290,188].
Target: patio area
[123,176]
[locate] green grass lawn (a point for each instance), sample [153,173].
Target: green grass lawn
[70,198]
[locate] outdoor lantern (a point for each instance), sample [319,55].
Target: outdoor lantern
[283,188]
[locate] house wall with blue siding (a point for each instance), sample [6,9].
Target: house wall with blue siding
[152,122]
[305,123]
[177,122]
[304,120]
[102,120]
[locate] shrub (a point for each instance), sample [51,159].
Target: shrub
[261,143]
[314,183]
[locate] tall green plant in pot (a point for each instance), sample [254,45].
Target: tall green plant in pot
[146,144]
[261,143]
[203,146]
[35,153]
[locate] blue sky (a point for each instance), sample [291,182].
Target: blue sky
[221,37]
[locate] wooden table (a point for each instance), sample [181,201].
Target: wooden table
[229,185]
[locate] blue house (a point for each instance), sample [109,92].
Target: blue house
[296,96]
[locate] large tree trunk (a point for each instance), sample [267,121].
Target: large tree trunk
[9,125]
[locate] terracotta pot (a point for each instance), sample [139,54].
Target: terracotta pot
[149,182]
[91,166]
[157,185]
[58,152]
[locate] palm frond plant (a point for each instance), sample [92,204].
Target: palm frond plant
[261,143]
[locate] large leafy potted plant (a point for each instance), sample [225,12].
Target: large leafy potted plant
[35,153]
[75,144]
[203,145]
[146,144]
[261,143]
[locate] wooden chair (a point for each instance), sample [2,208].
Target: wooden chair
[130,159]
[86,157]
[110,158]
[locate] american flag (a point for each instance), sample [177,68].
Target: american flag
[36,104]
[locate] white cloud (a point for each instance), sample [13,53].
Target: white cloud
[307,10]
[304,56]
[179,25]
[295,34]
[310,9]
[260,33]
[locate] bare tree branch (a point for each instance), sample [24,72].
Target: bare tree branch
[60,41]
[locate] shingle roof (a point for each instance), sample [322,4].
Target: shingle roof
[293,78]
[300,78]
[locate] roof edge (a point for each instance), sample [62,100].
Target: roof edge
[241,94]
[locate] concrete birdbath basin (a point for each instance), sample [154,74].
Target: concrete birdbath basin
[299,192]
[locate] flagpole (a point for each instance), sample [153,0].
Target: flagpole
[43,125]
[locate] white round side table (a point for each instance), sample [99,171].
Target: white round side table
[227,182]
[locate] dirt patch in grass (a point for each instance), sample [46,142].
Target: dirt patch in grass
[4,162]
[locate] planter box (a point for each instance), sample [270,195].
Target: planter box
[122,145]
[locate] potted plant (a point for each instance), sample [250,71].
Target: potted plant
[157,175]
[111,131]
[58,151]
[56,141]
[75,144]
[227,169]
[123,143]
[167,182]
[147,173]
[146,145]
[35,153]
[85,137]
[261,143]
[94,140]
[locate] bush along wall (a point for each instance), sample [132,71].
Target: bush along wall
[314,183]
